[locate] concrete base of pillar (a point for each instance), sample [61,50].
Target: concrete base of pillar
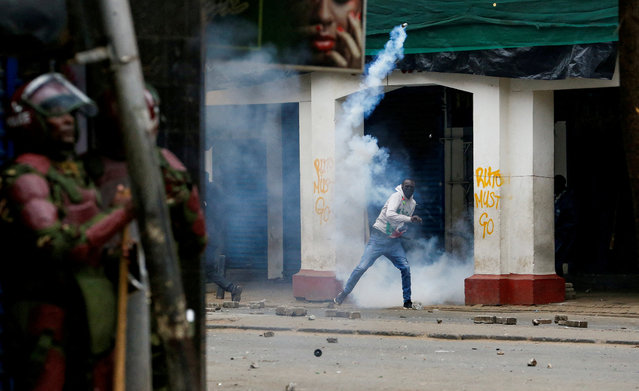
[315,285]
[526,289]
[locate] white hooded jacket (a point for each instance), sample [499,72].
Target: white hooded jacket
[396,211]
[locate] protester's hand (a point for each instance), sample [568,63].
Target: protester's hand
[416,219]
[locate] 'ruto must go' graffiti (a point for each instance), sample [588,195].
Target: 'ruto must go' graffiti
[322,186]
[486,197]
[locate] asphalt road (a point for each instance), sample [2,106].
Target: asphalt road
[247,360]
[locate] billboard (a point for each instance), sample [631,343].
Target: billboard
[326,35]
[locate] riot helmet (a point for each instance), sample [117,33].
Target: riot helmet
[108,126]
[32,105]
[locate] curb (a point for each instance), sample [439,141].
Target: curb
[460,337]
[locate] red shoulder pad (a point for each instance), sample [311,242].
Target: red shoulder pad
[28,187]
[39,162]
[173,161]
[39,214]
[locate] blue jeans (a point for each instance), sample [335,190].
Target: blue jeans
[381,244]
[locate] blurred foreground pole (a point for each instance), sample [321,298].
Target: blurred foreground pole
[629,98]
[169,305]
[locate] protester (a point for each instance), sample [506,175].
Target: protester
[216,245]
[60,305]
[233,288]
[385,240]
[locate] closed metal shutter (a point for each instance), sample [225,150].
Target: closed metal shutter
[243,198]
[409,123]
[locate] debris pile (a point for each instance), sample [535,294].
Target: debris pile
[290,311]
[484,319]
[562,320]
[213,307]
[256,305]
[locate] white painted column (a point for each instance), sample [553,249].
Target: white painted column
[316,278]
[489,130]
[274,188]
[317,170]
[528,208]
[306,190]
[318,188]
[514,236]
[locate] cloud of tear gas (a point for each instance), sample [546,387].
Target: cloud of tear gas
[359,157]
[245,142]
[436,277]
[241,138]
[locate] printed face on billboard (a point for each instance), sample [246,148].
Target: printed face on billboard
[300,34]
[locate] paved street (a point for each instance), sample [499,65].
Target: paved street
[246,360]
[442,346]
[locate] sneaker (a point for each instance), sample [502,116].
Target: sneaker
[408,305]
[339,299]
[236,293]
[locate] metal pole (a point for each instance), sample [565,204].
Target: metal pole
[169,305]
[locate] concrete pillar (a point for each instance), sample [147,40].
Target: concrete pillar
[316,278]
[274,181]
[514,235]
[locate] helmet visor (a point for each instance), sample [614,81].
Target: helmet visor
[52,95]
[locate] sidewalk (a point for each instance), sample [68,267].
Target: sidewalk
[612,318]
[624,304]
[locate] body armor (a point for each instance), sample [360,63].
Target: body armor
[60,304]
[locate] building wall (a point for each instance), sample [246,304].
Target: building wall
[513,141]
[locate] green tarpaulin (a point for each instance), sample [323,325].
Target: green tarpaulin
[448,25]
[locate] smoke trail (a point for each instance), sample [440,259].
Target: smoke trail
[360,157]
[437,278]
[362,103]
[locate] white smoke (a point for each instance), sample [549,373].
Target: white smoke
[241,141]
[436,278]
[364,101]
[359,156]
